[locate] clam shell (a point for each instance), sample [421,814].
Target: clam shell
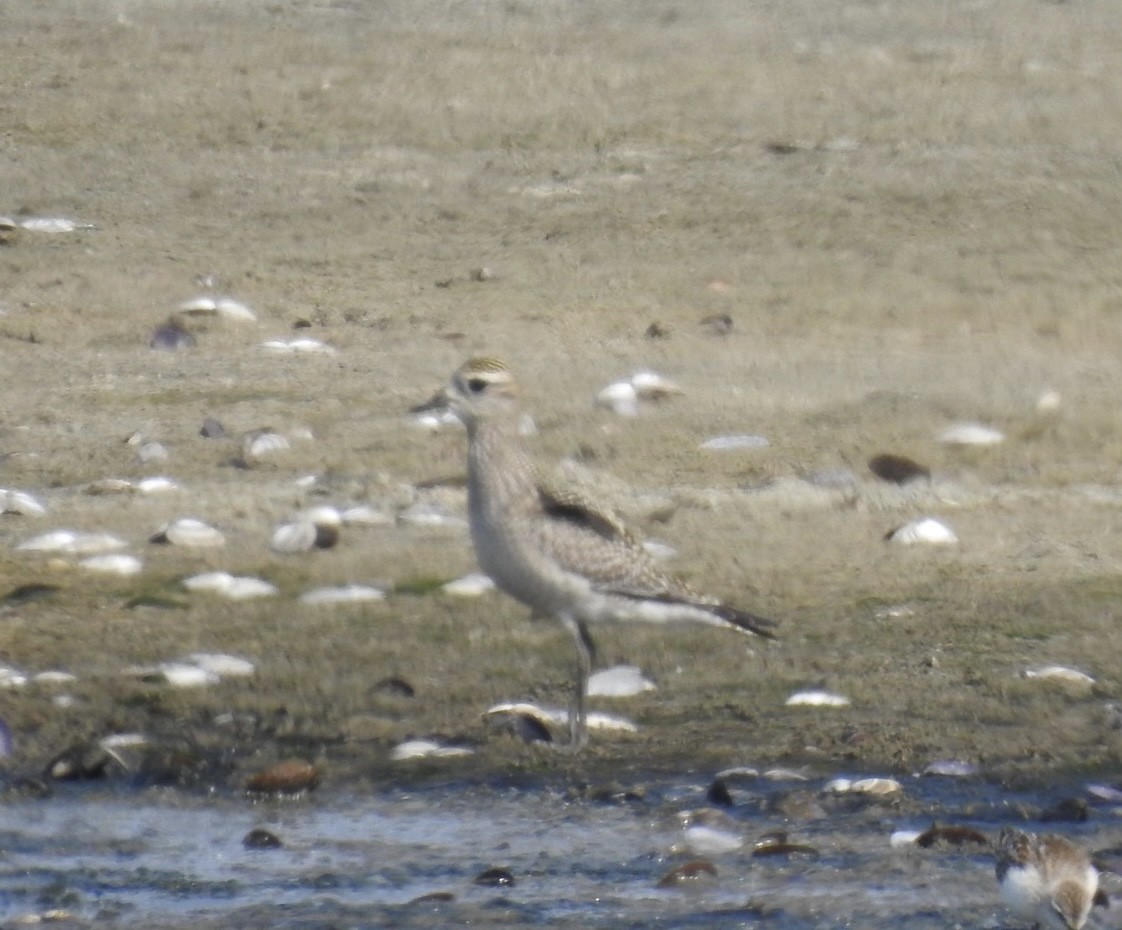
[261,442]
[345,594]
[1059,673]
[52,224]
[560,717]
[294,537]
[472,585]
[230,586]
[221,664]
[20,502]
[303,346]
[734,443]
[924,530]
[113,563]
[189,532]
[425,749]
[619,681]
[971,434]
[72,542]
[816,698]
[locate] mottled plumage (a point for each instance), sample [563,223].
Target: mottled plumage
[551,549]
[1046,879]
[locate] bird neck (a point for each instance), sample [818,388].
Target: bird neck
[499,466]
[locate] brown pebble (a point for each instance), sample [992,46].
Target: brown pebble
[776,844]
[657,330]
[689,873]
[1066,810]
[290,777]
[897,469]
[955,836]
[433,897]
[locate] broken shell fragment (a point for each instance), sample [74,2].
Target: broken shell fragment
[924,530]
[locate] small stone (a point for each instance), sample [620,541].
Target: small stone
[693,873]
[259,838]
[293,776]
[495,878]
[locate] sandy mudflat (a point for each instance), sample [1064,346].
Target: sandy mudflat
[911,212]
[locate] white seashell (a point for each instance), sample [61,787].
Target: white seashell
[53,677]
[323,516]
[1105,793]
[294,537]
[739,773]
[904,838]
[113,563]
[559,716]
[11,677]
[230,586]
[1059,673]
[784,775]
[221,664]
[298,346]
[52,224]
[425,749]
[232,309]
[971,434]
[181,675]
[152,452]
[122,740]
[434,419]
[709,841]
[20,502]
[619,681]
[659,550]
[306,481]
[651,386]
[73,542]
[110,486]
[816,698]
[924,530]
[189,532]
[345,594]
[879,787]
[733,443]
[838,785]
[621,398]
[260,442]
[472,585]
[156,485]
[1048,402]
[201,304]
[363,515]
[425,513]
[952,768]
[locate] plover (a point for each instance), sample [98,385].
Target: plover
[553,550]
[1045,878]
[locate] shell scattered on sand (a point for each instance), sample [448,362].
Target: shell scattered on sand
[925,530]
[560,716]
[1062,673]
[221,663]
[734,443]
[190,533]
[472,585]
[226,307]
[426,749]
[872,786]
[236,588]
[624,397]
[816,698]
[20,503]
[619,681]
[158,484]
[971,434]
[304,346]
[73,542]
[52,224]
[113,563]
[258,443]
[343,594]
[304,535]
[1049,401]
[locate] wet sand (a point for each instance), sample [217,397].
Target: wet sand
[911,215]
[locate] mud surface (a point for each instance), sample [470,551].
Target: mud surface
[911,214]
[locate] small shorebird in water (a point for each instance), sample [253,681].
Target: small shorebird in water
[1046,879]
[554,551]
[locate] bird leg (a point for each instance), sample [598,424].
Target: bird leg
[578,715]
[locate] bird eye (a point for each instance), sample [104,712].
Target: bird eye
[475,385]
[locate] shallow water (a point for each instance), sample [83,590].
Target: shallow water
[161,859]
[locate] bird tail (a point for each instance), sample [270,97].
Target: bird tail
[743,620]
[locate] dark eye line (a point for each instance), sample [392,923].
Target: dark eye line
[475,385]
